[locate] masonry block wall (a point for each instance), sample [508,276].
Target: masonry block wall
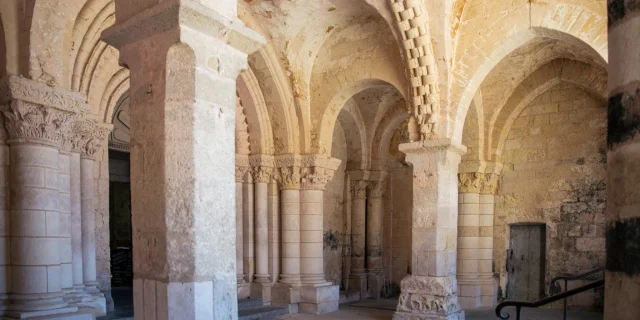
[554,173]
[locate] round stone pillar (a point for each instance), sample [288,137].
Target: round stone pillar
[88,222]
[317,295]
[358,274]
[375,216]
[247,230]
[289,182]
[64,192]
[261,174]
[35,135]
[76,221]
[240,173]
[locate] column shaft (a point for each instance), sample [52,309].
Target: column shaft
[358,274]
[239,233]
[274,232]
[311,227]
[88,222]
[76,221]
[261,232]
[375,215]
[488,284]
[5,267]
[35,231]
[468,244]
[290,199]
[248,232]
[64,192]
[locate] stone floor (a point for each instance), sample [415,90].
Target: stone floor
[367,310]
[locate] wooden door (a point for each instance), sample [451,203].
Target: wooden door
[525,262]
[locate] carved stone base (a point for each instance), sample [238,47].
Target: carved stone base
[262,291]
[374,283]
[425,297]
[358,282]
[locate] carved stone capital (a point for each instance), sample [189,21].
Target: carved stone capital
[490,183]
[477,182]
[262,167]
[30,122]
[289,177]
[470,182]
[288,171]
[242,166]
[359,188]
[377,188]
[91,136]
[317,171]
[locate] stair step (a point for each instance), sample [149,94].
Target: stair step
[249,303]
[267,312]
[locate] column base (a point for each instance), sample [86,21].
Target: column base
[68,313]
[91,297]
[469,293]
[374,285]
[318,299]
[262,290]
[489,292]
[426,297]
[286,295]
[244,290]
[358,282]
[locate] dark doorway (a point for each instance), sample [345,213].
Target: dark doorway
[120,219]
[526,262]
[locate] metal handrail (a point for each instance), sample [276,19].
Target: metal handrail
[566,279]
[535,304]
[576,277]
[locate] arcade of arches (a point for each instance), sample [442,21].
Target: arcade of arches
[448,153]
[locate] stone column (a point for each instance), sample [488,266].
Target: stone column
[35,131]
[242,167]
[76,221]
[317,295]
[430,292]
[64,193]
[4,216]
[184,58]
[91,139]
[375,215]
[248,233]
[274,231]
[469,185]
[358,274]
[262,172]
[287,290]
[488,283]
[622,274]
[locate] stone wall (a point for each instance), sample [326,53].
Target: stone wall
[554,173]
[334,200]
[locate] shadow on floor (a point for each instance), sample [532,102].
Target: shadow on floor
[123,302]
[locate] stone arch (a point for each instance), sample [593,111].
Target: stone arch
[562,22]
[473,136]
[334,107]
[591,79]
[243,144]
[120,136]
[386,139]
[3,50]
[355,136]
[257,116]
[394,116]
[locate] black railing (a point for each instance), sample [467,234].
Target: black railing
[566,279]
[520,304]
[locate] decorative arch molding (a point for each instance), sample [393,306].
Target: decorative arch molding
[396,132]
[243,144]
[592,79]
[413,22]
[256,113]
[461,101]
